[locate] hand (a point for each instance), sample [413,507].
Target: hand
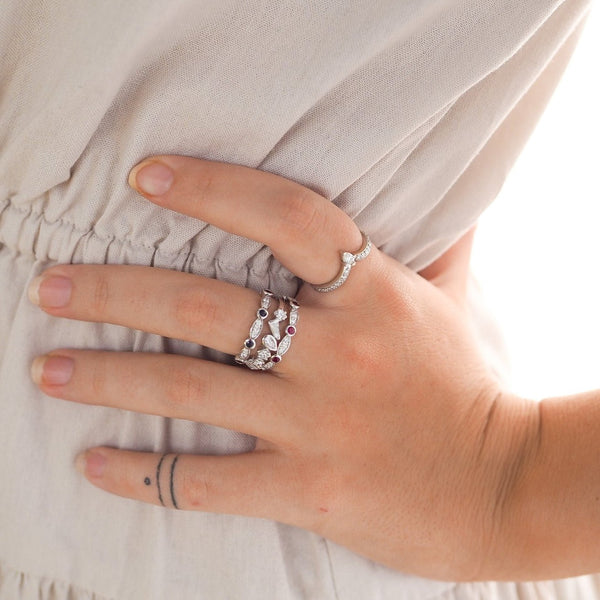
[381,429]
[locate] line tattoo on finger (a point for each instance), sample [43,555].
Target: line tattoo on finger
[158,467]
[171,481]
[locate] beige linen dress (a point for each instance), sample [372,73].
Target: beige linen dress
[387,107]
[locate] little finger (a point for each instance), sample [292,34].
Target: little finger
[256,484]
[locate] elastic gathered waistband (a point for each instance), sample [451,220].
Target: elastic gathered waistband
[26,232]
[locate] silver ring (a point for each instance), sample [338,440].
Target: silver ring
[274,345]
[256,328]
[348,261]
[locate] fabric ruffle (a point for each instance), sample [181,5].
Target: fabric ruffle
[29,232]
[577,588]
[15,584]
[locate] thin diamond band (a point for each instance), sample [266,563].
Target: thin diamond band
[256,328]
[348,261]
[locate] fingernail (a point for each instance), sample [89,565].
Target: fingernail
[52,370]
[153,179]
[50,291]
[90,463]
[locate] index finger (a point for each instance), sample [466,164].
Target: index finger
[305,231]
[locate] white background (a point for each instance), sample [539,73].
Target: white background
[537,250]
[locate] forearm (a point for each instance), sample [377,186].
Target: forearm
[549,526]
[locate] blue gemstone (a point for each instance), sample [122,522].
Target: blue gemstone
[262,313]
[249,344]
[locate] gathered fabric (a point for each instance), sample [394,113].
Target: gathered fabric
[383,107]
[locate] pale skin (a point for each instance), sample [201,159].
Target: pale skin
[414,456]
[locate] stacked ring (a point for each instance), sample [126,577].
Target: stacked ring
[256,328]
[274,346]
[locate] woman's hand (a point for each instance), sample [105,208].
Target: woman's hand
[381,429]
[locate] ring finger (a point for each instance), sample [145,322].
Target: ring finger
[171,386]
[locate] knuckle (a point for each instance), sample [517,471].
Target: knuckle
[363,351]
[185,388]
[203,185]
[100,295]
[98,376]
[302,216]
[195,310]
[397,297]
[196,490]
[320,491]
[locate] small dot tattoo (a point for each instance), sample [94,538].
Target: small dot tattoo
[147,481]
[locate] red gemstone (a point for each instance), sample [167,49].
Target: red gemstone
[291,330]
[276,359]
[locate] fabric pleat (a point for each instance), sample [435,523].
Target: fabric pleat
[386,108]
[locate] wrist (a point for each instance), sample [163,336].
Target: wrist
[476,513]
[550,526]
[508,444]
